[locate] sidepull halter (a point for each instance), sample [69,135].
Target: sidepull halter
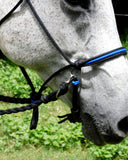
[36,99]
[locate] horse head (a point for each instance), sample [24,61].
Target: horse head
[82,29]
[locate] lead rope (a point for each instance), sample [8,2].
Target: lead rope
[34,97]
[43,99]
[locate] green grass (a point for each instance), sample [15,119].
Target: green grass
[42,153]
[18,142]
[14,132]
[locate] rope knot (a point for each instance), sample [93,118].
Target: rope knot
[78,64]
[44,98]
[35,96]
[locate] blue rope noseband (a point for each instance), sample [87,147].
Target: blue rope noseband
[102,57]
[107,56]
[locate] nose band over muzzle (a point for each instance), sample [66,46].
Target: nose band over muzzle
[102,58]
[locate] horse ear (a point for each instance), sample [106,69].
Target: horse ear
[84,4]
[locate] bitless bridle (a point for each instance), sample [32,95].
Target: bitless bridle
[37,98]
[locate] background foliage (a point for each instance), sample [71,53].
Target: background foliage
[14,129]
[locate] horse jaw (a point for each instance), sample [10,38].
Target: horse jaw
[103,95]
[104,105]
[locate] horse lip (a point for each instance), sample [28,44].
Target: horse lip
[94,133]
[94,136]
[108,139]
[112,139]
[91,131]
[101,139]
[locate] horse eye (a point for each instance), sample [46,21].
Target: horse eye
[73,2]
[84,4]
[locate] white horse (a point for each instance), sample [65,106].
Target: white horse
[82,29]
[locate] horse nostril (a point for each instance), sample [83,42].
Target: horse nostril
[123,125]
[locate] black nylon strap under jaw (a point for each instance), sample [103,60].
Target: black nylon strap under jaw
[75,109]
[74,116]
